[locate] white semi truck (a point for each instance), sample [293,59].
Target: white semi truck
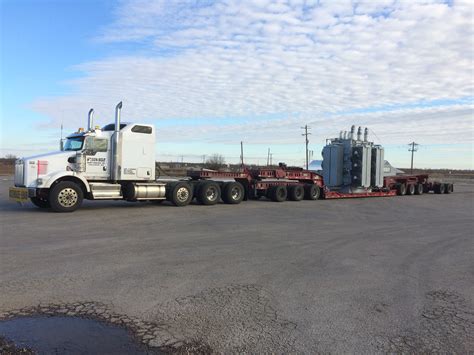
[115,162]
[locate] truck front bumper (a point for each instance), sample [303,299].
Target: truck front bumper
[21,194]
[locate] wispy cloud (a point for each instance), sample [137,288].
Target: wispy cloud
[303,60]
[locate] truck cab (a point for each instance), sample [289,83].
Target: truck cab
[116,161]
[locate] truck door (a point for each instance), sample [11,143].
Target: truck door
[97,158]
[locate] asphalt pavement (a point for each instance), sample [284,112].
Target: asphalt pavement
[355,275]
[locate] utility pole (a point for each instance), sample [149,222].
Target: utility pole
[268,157]
[305,134]
[242,154]
[413,148]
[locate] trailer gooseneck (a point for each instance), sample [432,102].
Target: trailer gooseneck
[117,162]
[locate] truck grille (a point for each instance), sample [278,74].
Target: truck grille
[19,173]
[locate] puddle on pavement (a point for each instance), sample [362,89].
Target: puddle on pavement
[69,335]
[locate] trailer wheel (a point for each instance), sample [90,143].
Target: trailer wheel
[312,192]
[40,202]
[401,189]
[278,193]
[439,188]
[65,196]
[448,188]
[419,189]
[411,189]
[295,192]
[451,188]
[179,194]
[209,193]
[233,192]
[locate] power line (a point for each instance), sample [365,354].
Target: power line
[413,148]
[305,134]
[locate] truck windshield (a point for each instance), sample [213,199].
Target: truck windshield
[74,143]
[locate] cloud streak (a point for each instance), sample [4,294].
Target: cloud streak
[296,59]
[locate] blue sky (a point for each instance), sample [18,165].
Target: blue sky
[210,74]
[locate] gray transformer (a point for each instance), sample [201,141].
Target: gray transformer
[352,164]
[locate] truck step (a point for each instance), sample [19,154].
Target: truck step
[103,191]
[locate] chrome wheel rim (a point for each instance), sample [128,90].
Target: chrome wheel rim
[235,193]
[182,194]
[67,197]
[211,193]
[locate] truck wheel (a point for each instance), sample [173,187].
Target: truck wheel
[40,202]
[208,193]
[439,189]
[401,189]
[278,193]
[179,194]
[65,196]
[419,189]
[411,189]
[312,192]
[448,188]
[295,192]
[233,192]
[451,188]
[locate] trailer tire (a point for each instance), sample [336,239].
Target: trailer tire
[65,196]
[312,192]
[209,193]
[451,188]
[295,192]
[40,202]
[233,193]
[419,189]
[411,189]
[278,193]
[179,193]
[439,188]
[401,189]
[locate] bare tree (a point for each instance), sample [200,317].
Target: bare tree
[215,162]
[10,156]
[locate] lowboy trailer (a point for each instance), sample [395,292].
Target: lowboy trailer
[117,162]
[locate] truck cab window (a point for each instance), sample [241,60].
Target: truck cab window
[74,143]
[96,144]
[141,129]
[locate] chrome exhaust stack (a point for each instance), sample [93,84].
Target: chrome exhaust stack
[366,134]
[90,120]
[115,171]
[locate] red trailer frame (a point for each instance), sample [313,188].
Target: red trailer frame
[259,182]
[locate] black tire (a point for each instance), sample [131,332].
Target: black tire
[179,193]
[411,189]
[439,188]
[312,192]
[401,189]
[278,193]
[451,188]
[448,188]
[295,192]
[419,189]
[233,193]
[426,188]
[209,193]
[40,202]
[65,196]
